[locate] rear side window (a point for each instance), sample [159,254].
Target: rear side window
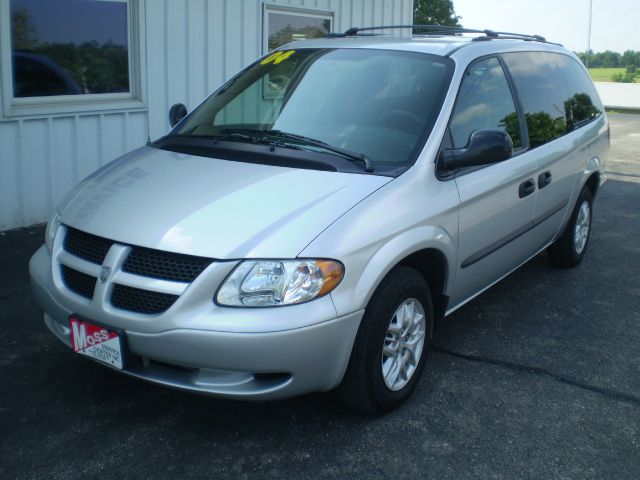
[484,102]
[556,94]
[584,103]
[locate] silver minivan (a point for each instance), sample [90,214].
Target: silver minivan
[306,227]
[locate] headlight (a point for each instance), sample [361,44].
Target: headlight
[269,283]
[52,229]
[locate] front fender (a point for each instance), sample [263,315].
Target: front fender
[399,248]
[365,269]
[413,212]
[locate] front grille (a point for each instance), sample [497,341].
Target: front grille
[141,301]
[78,282]
[87,246]
[165,265]
[140,261]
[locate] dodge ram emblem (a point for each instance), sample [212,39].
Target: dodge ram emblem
[105,273]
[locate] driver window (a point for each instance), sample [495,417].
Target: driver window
[484,102]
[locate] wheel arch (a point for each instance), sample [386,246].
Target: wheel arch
[431,263]
[592,176]
[593,183]
[429,250]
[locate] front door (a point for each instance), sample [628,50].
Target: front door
[496,202]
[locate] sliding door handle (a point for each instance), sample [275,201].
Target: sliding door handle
[527,188]
[544,179]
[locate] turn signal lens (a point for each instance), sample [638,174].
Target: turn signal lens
[332,273]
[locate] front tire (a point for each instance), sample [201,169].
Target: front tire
[568,251]
[391,346]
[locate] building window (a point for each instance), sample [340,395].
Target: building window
[68,52]
[284,25]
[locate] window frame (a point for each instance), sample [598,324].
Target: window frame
[268,8]
[447,141]
[135,99]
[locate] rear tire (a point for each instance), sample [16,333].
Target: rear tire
[391,346]
[569,249]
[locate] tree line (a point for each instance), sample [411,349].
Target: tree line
[609,59]
[629,60]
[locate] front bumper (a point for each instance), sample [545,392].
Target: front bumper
[175,350]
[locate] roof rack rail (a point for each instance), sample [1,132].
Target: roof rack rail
[450,30]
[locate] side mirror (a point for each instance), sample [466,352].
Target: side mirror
[176,113]
[484,147]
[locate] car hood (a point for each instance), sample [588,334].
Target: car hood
[211,207]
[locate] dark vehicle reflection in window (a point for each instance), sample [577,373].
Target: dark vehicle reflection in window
[36,75]
[69,47]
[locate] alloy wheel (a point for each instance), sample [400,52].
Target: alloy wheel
[581,230]
[403,344]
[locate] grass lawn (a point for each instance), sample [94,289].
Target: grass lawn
[604,74]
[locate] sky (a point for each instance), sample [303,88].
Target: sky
[616,23]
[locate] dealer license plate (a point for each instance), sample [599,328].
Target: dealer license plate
[96,342]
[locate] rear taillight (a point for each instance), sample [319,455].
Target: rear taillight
[609,134]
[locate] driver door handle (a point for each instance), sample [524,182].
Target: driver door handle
[527,188]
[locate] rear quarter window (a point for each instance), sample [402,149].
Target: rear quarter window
[556,94]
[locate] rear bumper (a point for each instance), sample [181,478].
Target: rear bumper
[248,365]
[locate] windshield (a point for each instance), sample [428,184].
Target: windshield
[377,104]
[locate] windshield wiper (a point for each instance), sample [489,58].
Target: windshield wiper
[262,134]
[234,136]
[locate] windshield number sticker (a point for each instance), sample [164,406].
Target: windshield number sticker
[277,57]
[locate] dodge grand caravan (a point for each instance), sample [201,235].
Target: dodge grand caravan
[307,225]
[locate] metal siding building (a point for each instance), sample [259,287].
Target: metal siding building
[179,52]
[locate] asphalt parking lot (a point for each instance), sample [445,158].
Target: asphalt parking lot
[537,378]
